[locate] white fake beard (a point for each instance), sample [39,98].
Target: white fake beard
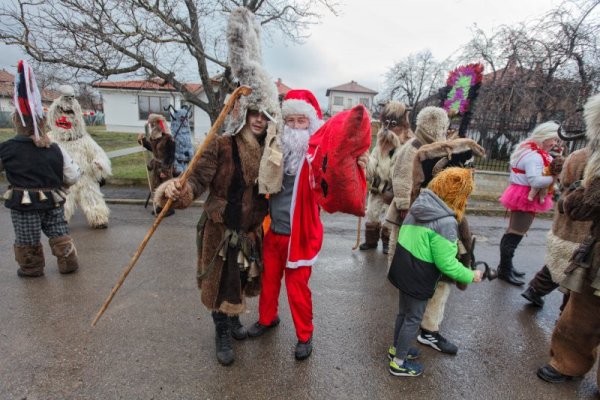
[294,143]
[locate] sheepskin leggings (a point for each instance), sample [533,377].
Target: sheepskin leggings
[275,252]
[436,306]
[576,336]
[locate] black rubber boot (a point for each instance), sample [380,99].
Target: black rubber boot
[238,331]
[223,338]
[508,245]
[541,285]
[533,297]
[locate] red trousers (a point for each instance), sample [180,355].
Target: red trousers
[275,252]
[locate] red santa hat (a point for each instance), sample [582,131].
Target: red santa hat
[303,102]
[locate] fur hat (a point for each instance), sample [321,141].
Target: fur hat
[394,111]
[432,125]
[245,59]
[158,125]
[591,114]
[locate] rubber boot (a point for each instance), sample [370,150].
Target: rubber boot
[30,259]
[223,339]
[508,245]
[385,239]
[238,331]
[372,233]
[66,254]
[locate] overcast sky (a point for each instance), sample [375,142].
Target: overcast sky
[365,40]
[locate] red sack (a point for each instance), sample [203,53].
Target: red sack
[338,182]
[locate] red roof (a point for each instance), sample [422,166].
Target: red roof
[151,84]
[7,88]
[351,87]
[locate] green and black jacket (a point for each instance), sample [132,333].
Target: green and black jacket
[427,248]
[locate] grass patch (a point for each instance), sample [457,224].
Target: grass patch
[131,168]
[108,140]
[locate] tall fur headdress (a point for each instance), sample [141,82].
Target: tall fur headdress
[28,101]
[245,59]
[591,114]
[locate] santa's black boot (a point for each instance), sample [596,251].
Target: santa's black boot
[223,338]
[508,245]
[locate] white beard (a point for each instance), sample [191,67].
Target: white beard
[294,143]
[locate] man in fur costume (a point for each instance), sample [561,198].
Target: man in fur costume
[161,144]
[394,132]
[229,236]
[576,336]
[37,172]
[564,237]
[67,128]
[302,118]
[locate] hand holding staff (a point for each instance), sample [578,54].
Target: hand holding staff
[240,91]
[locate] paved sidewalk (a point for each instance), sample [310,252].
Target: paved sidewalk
[124,152]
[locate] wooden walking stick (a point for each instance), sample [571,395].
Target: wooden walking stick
[357,234]
[149,183]
[240,91]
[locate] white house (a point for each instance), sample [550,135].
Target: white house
[7,87]
[127,104]
[348,95]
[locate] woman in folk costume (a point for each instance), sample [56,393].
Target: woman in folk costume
[229,234]
[67,129]
[576,336]
[162,145]
[527,164]
[37,171]
[394,132]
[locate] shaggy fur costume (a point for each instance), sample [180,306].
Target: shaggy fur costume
[162,145]
[245,58]
[566,234]
[67,128]
[219,280]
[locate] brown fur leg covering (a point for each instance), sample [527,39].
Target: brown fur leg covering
[30,259]
[372,232]
[66,254]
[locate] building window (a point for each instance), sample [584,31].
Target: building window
[364,101]
[338,101]
[348,103]
[153,105]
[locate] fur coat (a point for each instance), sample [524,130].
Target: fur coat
[228,169]
[566,234]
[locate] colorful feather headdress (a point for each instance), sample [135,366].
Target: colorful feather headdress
[27,98]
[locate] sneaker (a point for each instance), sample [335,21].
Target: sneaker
[437,341]
[258,329]
[413,353]
[408,368]
[303,350]
[549,374]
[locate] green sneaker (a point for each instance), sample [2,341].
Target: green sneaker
[413,353]
[408,368]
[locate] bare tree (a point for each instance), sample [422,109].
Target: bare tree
[169,39]
[414,78]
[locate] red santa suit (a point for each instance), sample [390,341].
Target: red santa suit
[287,248]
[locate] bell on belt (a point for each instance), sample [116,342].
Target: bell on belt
[26,199]
[8,194]
[42,196]
[57,198]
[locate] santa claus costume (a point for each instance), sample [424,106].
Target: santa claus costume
[67,129]
[276,244]
[38,173]
[394,132]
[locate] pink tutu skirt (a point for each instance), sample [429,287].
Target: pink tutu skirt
[514,198]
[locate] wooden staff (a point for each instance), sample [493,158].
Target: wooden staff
[149,181]
[358,234]
[241,91]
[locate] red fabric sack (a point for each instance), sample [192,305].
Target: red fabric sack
[339,183]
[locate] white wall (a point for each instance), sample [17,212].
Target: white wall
[121,112]
[350,100]
[6,104]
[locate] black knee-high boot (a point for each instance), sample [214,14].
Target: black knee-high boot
[508,245]
[223,338]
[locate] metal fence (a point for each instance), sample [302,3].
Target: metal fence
[500,136]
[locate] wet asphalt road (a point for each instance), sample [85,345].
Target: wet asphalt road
[156,340]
